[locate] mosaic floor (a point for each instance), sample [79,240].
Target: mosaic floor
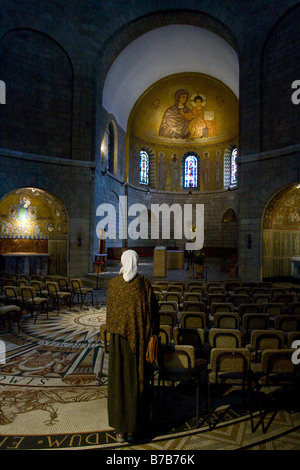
[51,399]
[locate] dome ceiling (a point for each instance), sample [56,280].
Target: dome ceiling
[162,52]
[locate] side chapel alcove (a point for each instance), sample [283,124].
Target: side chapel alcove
[34,231]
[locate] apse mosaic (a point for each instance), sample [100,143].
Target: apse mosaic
[32,213]
[182,113]
[283,212]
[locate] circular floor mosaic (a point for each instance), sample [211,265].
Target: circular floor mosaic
[64,349]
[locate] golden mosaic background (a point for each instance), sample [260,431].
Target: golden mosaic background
[32,213]
[219,111]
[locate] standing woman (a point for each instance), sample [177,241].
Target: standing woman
[131,309]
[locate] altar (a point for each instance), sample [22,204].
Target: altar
[26,263]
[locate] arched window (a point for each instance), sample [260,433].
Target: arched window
[191,171]
[230,166]
[111,147]
[233,167]
[144,167]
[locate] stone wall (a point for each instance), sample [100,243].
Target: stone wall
[65,50]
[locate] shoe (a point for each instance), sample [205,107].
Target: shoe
[121,437]
[130,436]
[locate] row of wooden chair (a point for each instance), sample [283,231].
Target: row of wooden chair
[262,362]
[235,300]
[36,297]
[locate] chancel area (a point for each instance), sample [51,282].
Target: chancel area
[171,129]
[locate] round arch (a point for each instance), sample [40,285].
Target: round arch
[34,232]
[281,233]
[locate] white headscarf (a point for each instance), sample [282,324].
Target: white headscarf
[129,269]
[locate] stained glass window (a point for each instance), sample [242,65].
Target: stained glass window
[144,167]
[190,172]
[233,171]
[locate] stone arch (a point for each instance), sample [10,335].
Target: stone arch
[34,222]
[281,232]
[279,117]
[132,30]
[39,77]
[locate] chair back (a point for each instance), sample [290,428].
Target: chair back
[261,298]
[215,298]
[172,297]
[226,320]
[224,338]
[291,337]
[221,307]
[76,284]
[168,305]
[192,336]
[190,319]
[37,285]
[175,288]
[10,292]
[238,299]
[294,308]
[27,293]
[168,317]
[278,366]
[273,309]
[193,306]
[63,283]
[52,287]
[231,361]
[165,334]
[192,297]
[255,321]
[284,298]
[176,362]
[249,308]
[266,339]
[287,323]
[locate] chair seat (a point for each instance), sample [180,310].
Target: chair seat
[61,294]
[84,290]
[35,300]
[9,308]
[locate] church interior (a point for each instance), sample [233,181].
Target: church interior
[170,128]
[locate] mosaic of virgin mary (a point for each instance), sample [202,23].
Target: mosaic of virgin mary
[175,121]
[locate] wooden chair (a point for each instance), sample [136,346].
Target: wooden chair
[12,295]
[275,374]
[165,334]
[227,368]
[194,337]
[11,313]
[176,363]
[229,320]
[254,321]
[58,296]
[193,306]
[81,292]
[264,339]
[224,338]
[34,303]
[168,317]
[190,319]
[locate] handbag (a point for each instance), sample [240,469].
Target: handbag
[152,347]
